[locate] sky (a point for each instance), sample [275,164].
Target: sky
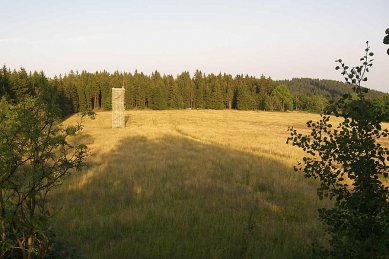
[280,39]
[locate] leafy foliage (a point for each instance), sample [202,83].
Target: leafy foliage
[386,38]
[35,157]
[351,166]
[281,98]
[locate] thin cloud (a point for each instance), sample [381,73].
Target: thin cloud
[87,37]
[5,40]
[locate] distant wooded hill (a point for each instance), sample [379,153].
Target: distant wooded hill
[92,91]
[328,88]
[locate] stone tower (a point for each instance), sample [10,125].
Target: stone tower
[118,120]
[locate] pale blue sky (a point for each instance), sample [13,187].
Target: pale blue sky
[281,39]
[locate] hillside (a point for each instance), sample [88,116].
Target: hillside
[190,183]
[328,88]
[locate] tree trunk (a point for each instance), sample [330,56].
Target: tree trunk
[30,239]
[21,242]
[30,244]
[3,231]
[95,104]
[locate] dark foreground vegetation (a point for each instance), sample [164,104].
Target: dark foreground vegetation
[35,157]
[352,168]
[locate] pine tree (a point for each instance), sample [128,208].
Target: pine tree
[174,98]
[5,87]
[20,85]
[159,101]
[216,97]
[244,100]
[228,89]
[266,86]
[186,89]
[199,82]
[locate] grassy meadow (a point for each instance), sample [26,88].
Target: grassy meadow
[190,184]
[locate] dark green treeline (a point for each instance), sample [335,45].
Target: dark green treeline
[92,91]
[200,91]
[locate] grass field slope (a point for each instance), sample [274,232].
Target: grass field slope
[190,184]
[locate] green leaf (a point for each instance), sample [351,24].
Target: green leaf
[386,39]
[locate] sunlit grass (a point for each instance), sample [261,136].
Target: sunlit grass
[191,184]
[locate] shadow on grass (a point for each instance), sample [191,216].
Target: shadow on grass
[82,138]
[174,197]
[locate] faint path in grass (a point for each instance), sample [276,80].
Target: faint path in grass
[259,133]
[256,150]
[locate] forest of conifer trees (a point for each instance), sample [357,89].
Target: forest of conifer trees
[92,91]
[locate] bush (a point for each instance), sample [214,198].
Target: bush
[35,157]
[350,165]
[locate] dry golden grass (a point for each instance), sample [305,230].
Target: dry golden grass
[191,184]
